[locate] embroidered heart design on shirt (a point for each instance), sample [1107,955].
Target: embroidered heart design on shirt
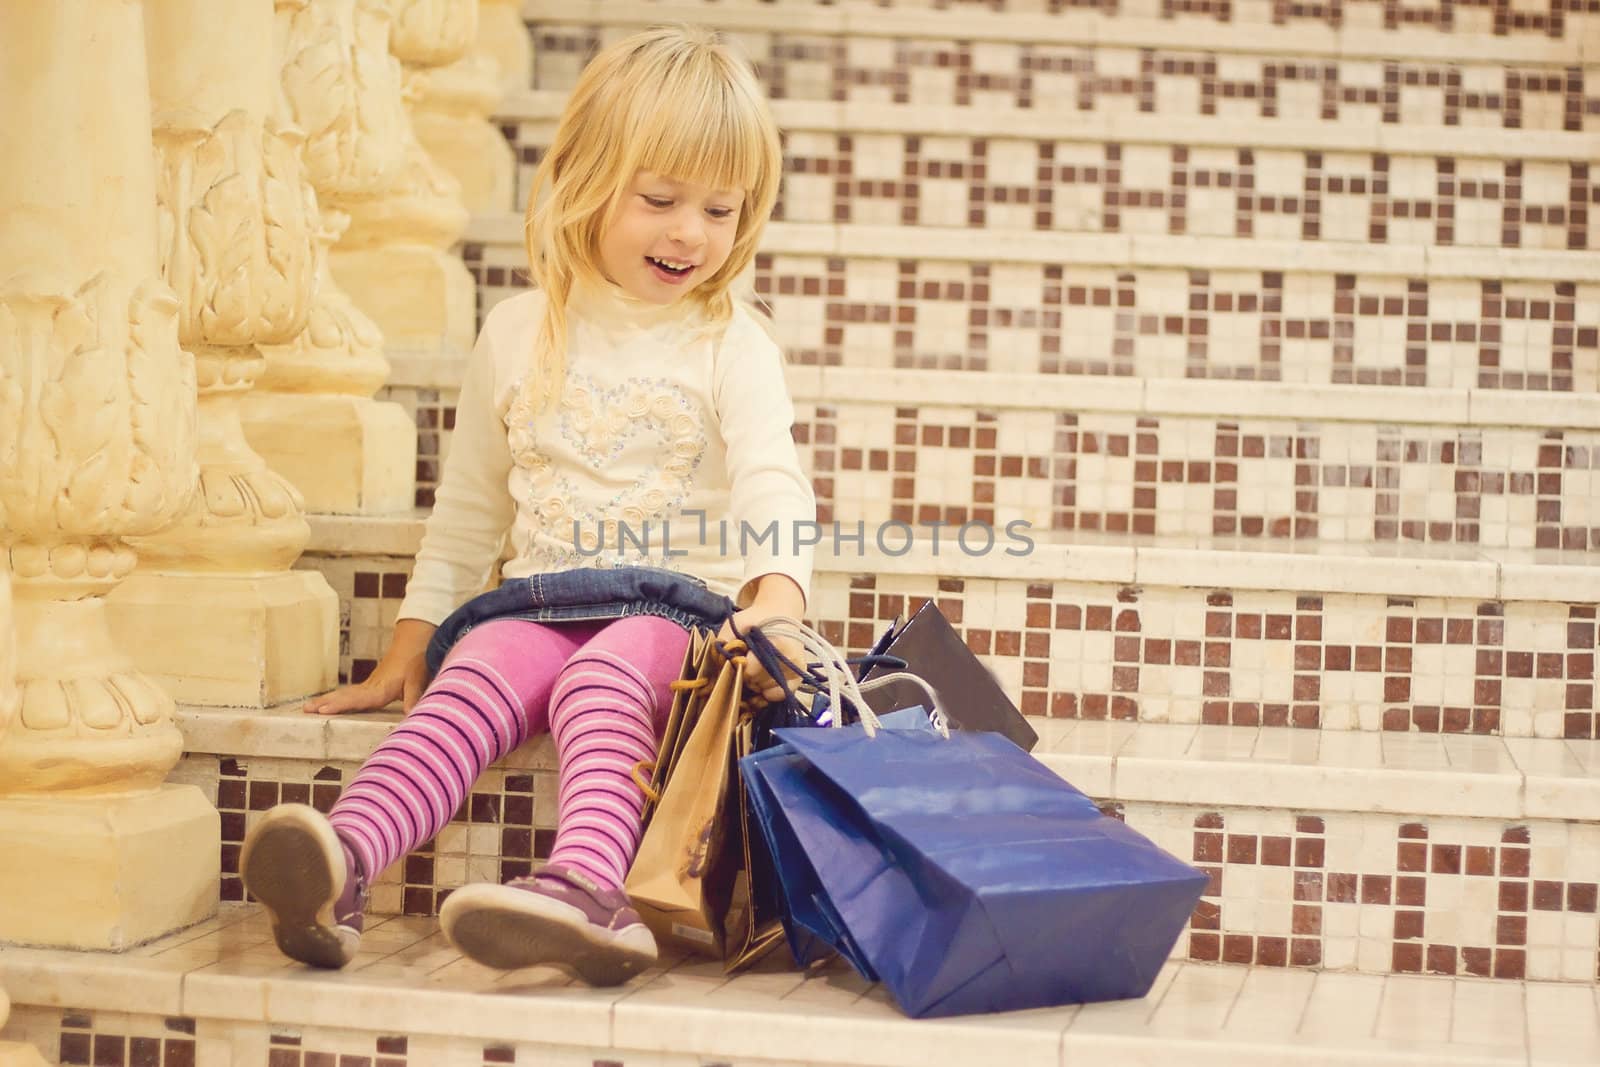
[597,424]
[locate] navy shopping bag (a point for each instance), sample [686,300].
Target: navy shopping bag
[969,876]
[779,787]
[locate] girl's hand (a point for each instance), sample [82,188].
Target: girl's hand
[400,675]
[776,596]
[755,675]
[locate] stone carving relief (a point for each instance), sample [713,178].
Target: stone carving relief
[237,225]
[236,221]
[430,33]
[343,88]
[99,446]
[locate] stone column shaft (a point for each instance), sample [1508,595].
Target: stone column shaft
[97,447]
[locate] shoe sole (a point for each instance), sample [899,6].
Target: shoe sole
[293,864]
[509,929]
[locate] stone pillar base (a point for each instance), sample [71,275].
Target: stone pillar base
[16,1055]
[250,640]
[348,455]
[422,299]
[107,871]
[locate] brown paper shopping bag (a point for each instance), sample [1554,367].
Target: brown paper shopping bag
[683,878]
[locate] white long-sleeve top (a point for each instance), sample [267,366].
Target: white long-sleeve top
[660,426]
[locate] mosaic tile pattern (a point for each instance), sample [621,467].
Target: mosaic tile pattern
[1263,479]
[1542,18]
[434,414]
[292,1050]
[1014,183]
[1077,650]
[109,1039]
[1344,662]
[1375,893]
[370,589]
[1100,79]
[1111,321]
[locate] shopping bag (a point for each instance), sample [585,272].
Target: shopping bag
[967,875]
[691,687]
[700,881]
[681,881]
[778,798]
[927,646]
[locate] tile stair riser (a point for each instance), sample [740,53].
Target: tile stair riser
[534,112]
[1183,76]
[1387,659]
[1257,323]
[1411,262]
[1257,30]
[1343,890]
[1178,177]
[1268,463]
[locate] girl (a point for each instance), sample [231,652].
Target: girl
[627,411]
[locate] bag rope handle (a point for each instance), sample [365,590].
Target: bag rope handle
[829,670]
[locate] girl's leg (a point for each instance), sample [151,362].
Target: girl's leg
[489,696]
[311,872]
[608,706]
[608,710]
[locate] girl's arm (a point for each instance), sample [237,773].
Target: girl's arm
[767,484]
[460,543]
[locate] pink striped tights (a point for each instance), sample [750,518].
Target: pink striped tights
[602,689]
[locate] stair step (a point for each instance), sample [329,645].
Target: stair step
[1246,28]
[1194,562]
[1156,251]
[220,995]
[538,110]
[1424,776]
[1345,640]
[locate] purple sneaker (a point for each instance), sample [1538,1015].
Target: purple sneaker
[555,916]
[309,882]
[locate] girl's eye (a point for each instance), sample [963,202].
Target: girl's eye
[658,201]
[720,212]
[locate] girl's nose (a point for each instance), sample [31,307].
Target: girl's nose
[687,230]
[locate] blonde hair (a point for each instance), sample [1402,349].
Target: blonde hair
[673,100]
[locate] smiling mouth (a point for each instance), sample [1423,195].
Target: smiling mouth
[672,267]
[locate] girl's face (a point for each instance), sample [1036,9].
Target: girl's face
[668,236]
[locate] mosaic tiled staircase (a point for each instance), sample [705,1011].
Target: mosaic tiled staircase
[1280,325]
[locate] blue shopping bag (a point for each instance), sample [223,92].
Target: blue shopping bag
[968,876]
[779,786]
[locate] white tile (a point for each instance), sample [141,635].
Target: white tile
[1199,1000]
[1271,1004]
[1415,1009]
[1488,1012]
[1563,1023]
[1124,1017]
[1342,1005]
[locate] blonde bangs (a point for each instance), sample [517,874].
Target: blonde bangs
[704,136]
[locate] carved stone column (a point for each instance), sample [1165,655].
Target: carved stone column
[14,1053]
[453,104]
[312,415]
[395,260]
[214,611]
[97,446]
